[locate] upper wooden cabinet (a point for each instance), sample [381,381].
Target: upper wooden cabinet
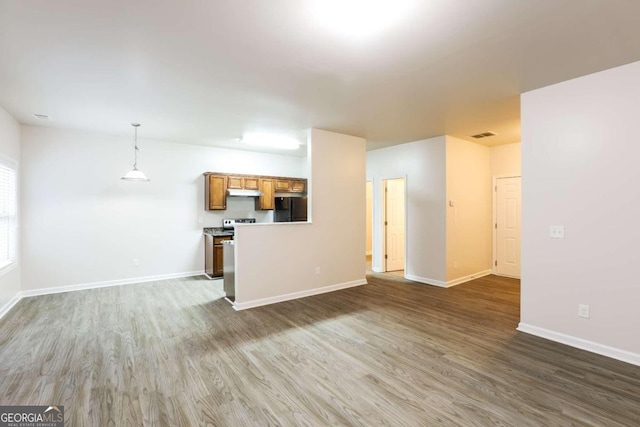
[291,185]
[266,201]
[243,182]
[216,185]
[298,185]
[283,185]
[215,192]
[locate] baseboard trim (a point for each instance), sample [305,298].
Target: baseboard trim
[593,347]
[296,295]
[93,285]
[377,270]
[9,305]
[468,278]
[426,280]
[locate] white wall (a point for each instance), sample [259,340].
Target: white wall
[278,261]
[469,237]
[580,165]
[423,164]
[82,224]
[506,160]
[10,149]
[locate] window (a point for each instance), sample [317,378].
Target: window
[8,214]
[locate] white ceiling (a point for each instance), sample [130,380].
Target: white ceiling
[203,72]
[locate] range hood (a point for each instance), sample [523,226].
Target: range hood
[243,193]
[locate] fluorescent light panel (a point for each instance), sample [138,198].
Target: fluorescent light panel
[360,19]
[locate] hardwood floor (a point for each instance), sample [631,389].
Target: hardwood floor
[391,353]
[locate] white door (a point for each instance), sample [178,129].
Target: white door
[394,224]
[507,228]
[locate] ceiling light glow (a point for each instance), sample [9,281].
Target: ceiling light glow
[359,19]
[270,140]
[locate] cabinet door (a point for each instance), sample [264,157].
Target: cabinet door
[208,255]
[266,201]
[251,183]
[283,185]
[217,260]
[234,182]
[298,185]
[217,192]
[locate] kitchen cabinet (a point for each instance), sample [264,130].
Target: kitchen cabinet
[217,256]
[217,184]
[266,201]
[215,192]
[284,185]
[298,185]
[213,258]
[243,182]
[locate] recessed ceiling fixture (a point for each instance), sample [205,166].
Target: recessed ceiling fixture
[270,140]
[41,116]
[359,19]
[483,135]
[134,174]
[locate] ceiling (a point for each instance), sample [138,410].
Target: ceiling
[204,72]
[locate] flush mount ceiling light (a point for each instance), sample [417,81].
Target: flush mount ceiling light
[359,19]
[134,174]
[270,140]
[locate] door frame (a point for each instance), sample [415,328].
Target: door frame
[383,216]
[494,230]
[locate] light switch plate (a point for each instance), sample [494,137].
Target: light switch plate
[583,311]
[556,231]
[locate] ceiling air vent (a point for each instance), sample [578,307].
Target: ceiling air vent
[41,116]
[483,135]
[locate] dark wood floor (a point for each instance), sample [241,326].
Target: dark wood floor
[390,353]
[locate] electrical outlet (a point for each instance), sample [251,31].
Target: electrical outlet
[317,271]
[135,262]
[583,311]
[556,231]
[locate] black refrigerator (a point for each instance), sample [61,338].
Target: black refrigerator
[290,209]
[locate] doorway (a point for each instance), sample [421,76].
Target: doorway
[394,224]
[506,233]
[369,224]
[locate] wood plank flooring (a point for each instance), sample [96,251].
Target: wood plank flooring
[388,353]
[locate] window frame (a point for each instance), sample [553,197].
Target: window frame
[11,262]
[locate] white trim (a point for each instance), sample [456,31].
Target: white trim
[82,286]
[295,295]
[464,279]
[107,283]
[9,305]
[494,231]
[593,347]
[377,270]
[426,280]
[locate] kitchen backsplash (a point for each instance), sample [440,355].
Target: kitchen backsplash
[237,207]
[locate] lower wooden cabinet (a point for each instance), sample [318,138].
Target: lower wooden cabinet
[217,260]
[213,260]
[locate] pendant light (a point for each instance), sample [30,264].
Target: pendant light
[134,174]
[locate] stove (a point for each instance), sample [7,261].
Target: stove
[230,223]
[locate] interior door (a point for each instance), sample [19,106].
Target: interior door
[507,228]
[394,224]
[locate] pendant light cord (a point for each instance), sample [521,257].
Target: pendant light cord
[135,147]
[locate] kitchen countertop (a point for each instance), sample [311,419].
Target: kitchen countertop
[217,231]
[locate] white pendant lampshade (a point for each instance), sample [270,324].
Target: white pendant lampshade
[135,174]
